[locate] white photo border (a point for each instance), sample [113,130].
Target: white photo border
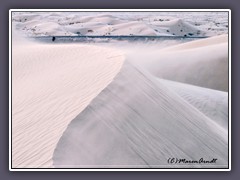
[119,169]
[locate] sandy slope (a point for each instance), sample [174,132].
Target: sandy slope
[202,62]
[137,122]
[51,85]
[212,103]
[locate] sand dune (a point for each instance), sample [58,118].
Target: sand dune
[135,122]
[177,27]
[51,85]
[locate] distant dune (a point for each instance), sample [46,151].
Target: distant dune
[103,25]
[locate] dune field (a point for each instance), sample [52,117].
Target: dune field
[119,103]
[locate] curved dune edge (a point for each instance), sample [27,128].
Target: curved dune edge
[51,85]
[212,103]
[137,122]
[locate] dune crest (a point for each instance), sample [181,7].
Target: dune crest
[137,122]
[52,83]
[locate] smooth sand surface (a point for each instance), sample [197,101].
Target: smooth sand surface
[205,64]
[51,84]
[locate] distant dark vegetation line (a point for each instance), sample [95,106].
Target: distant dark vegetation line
[119,37]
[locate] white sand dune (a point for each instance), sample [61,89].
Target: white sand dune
[97,28]
[51,85]
[133,28]
[137,122]
[205,66]
[178,27]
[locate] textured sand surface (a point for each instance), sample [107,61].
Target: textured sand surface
[51,85]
